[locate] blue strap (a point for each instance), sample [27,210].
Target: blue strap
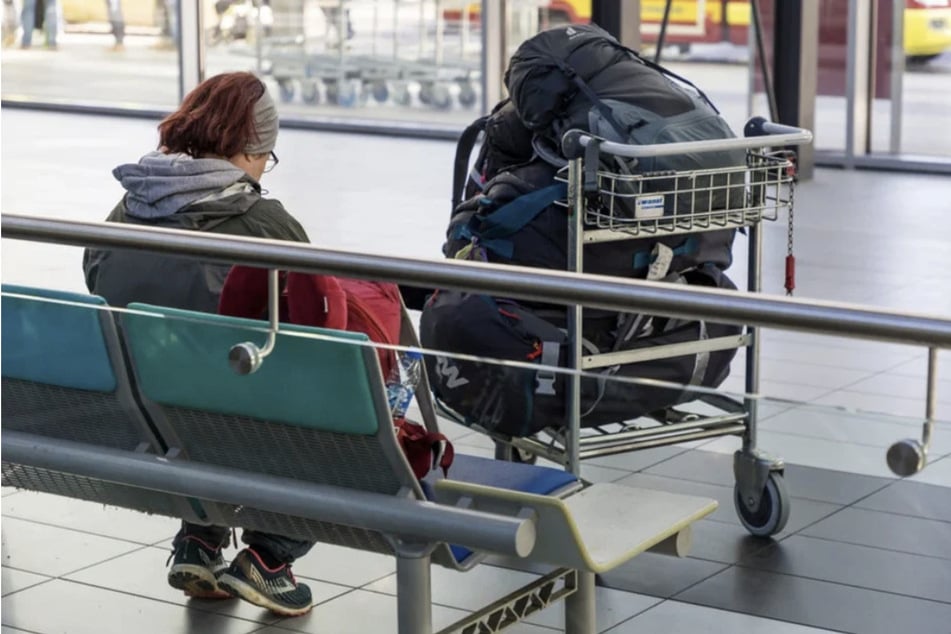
[642,259]
[492,231]
[511,217]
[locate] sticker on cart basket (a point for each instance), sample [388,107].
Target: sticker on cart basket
[647,207]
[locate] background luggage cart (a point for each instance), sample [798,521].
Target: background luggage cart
[762,501]
[389,51]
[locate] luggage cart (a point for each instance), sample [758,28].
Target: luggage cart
[385,62]
[768,181]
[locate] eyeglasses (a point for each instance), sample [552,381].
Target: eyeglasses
[271,162]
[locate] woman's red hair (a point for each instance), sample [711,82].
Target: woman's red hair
[217,117]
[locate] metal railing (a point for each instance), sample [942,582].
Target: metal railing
[821,317]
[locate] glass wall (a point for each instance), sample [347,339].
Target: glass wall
[401,60]
[94,52]
[419,62]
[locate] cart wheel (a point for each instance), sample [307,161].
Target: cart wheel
[426,93]
[773,512]
[401,95]
[441,98]
[309,92]
[508,453]
[347,94]
[467,94]
[285,88]
[333,92]
[380,91]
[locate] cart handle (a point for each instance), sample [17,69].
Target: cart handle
[759,133]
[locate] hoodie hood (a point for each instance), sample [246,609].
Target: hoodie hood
[161,185]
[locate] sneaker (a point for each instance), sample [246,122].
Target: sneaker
[196,568]
[273,588]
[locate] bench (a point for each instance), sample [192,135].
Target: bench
[149,416]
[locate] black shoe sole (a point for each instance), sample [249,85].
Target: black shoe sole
[196,584]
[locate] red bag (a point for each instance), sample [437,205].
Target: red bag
[325,301]
[425,450]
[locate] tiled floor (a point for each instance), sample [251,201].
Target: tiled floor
[863,552]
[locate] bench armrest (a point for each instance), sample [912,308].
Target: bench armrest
[596,529]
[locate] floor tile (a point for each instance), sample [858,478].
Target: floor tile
[344,566]
[15,580]
[360,612]
[904,386]
[659,575]
[637,460]
[881,403]
[911,498]
[465,590]
[803,513]
[826,485]
[886,530]
[812,483]
[614,606]
[935,472]
[596,473]
[723,542]
[827,377]
[860,566]
[854,428]
[674,616]
[82,609]
[80,515]
[142,573]
[484,584]
[815,452]
[818,603]
[52,551]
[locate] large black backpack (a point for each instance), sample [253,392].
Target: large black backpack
[509,209]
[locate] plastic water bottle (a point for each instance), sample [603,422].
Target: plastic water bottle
[403,380]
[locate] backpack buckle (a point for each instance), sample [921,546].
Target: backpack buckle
[545,379]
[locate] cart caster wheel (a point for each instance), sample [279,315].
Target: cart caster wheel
[508,453]
[285,89]
[309,92]
[426,94]
[467,95]
[773,512]
[402,96]
[441,98]
[347,94]
[333,92]
[379,91]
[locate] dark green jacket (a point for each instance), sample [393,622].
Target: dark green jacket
[182,193]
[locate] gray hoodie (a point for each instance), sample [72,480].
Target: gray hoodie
[181,192]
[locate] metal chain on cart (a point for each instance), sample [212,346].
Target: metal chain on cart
[790,258]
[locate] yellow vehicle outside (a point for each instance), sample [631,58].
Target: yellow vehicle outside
[927,23]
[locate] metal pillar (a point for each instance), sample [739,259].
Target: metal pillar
[858,84]
[414,594]
[620,18]
[795,66]
[494,53]
[191,46]
[580,611]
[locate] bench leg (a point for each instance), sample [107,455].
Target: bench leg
[414,594]
[580,612]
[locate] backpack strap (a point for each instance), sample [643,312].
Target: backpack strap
[464,147]
[509,219]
